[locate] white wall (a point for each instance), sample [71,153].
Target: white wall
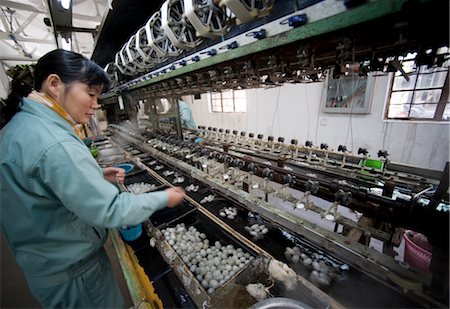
[294,111]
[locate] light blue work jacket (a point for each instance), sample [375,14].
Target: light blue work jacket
[54,202]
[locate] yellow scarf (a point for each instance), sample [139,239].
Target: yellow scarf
[53,104]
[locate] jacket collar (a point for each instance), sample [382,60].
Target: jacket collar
[42,111]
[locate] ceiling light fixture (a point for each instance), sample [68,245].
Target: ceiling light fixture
[66,44]
[65,4]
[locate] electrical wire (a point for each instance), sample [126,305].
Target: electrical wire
[246,110]
[276,111]
[307,111]
[278,116]
[256,109]
[350,122]
[324,90]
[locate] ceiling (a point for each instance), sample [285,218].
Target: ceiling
[24,37]
[98,29]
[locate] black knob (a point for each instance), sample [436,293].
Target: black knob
[219,157]
[312,186]
[238,163]
[342,148]
[228,159]
[270,138]
[260,136]
[220,130]
[344,198]
[323,146]
[267,173]
[199,127]
[243,133]
[252,167]
[227,131]
[281,140]
[288,178]
[308,143]
[214,129]
[209,128]
[362,151]
[382,153]
[294,142]
[353,3]
[251,135]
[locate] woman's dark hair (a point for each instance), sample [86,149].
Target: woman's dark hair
[10,106]
[69,66]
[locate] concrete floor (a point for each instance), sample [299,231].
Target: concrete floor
[14,292]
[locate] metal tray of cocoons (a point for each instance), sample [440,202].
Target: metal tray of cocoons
[142,176]
[165,216]
[231,294]
[147,159]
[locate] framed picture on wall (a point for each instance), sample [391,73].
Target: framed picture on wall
[350,94]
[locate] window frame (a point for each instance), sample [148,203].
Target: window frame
[440,105]
[233,99]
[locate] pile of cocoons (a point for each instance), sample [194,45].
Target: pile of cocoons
[192,188]
[208,199]
[322,272]
[257,230]
[283,273]
[168,173]
[140,187]
[229,212]
[179,179]
[212,264]
[257,290]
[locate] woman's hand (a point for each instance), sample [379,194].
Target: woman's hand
[114,174]
[176,195]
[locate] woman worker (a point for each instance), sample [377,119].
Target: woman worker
[55,200]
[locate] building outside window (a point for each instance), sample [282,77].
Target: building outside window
[229,101]
[424,97]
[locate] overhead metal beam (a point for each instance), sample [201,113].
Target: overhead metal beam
[60,17]
[75,29]
[26,23]
[5,22]
[87,17]
[21,6]
[17,58]
[5,36]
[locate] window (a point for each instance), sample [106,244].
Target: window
[424,97]
[229,101]
[349,94]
